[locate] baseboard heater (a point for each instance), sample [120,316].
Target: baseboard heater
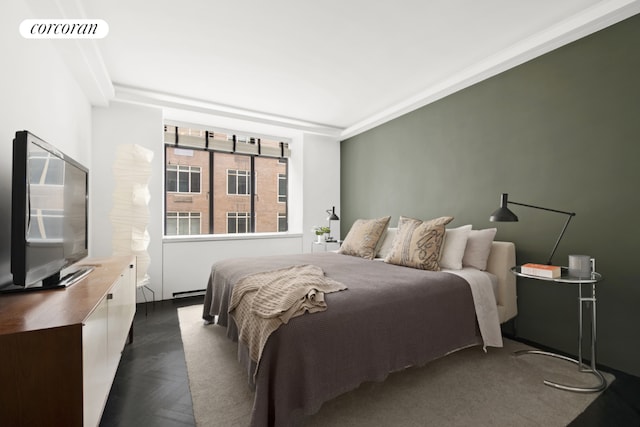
[189,293]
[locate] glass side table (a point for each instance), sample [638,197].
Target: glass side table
[582,300]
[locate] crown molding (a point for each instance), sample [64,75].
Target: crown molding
[600,16]
[81,56]
[167,100]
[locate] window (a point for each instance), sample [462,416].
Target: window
[283,224]
[238,222]
[182,223]
[219,183]
[282,188]
[238,182]
[183,179]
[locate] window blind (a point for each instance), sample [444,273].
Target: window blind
[187,137]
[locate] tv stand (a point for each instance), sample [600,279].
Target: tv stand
[59,351]
[52,282]
[75,276]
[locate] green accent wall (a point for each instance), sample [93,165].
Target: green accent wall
[560,131]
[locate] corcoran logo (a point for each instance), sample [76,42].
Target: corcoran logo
[64,28]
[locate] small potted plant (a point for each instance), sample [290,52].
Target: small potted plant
[320,232]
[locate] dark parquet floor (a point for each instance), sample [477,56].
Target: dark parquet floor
[151,387]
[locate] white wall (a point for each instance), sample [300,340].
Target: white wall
[124,123]
[187,264]
[38,91]
[39,94]
[321,184]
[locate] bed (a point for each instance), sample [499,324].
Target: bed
[389,318]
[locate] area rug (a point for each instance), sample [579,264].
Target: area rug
[468,387]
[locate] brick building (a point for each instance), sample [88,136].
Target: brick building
[235,195]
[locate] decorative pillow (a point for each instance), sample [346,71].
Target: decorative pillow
[363,237]
[478,248]
[385,242]
[455,242]
[443,220]
[417,243]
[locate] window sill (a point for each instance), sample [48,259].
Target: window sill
[223,237]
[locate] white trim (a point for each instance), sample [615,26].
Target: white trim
[160,99]
[600,16]
[232,236]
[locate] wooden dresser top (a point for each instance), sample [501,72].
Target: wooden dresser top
[28,311]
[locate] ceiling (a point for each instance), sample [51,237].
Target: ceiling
[341,66]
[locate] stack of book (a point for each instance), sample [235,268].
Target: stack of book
[542,270]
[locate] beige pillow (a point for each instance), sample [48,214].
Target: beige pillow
[443,220]
[363,237]
[418,243]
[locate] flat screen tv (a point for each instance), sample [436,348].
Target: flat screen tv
[49,213]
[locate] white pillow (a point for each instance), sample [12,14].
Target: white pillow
[455,242]
[387,241]
[478,248]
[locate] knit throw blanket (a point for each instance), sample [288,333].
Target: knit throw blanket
[261,302]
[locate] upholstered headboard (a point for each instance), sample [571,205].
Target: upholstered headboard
[501,259]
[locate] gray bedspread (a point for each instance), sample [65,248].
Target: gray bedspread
[390,318]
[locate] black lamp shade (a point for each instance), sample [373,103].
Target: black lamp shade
[503,214]
[332,214]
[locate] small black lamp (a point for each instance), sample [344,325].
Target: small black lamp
[503,214]
[332,217]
